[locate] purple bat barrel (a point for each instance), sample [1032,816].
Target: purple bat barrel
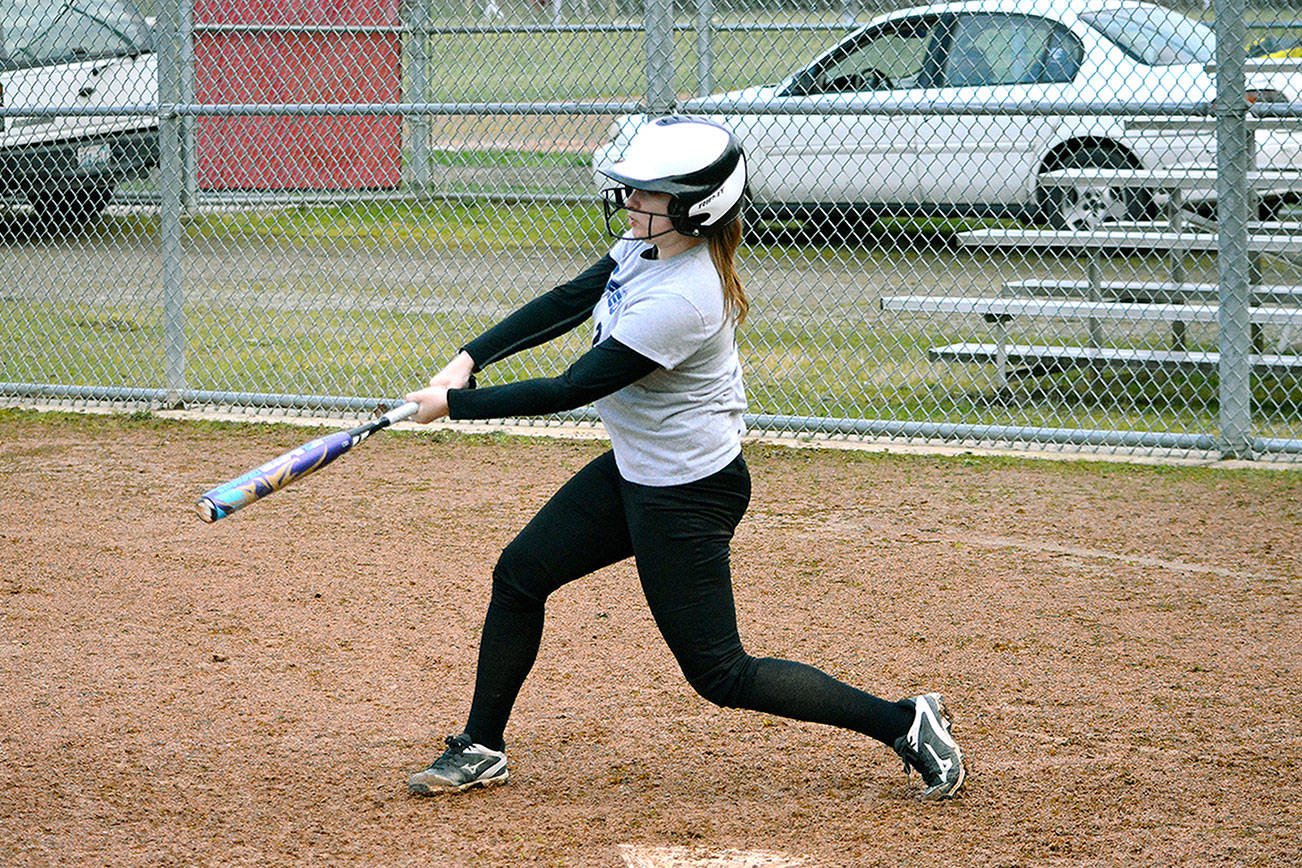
[230,496]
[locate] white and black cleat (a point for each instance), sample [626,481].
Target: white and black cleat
[929,747]
[462,766]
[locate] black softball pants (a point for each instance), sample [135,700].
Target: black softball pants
[679,536]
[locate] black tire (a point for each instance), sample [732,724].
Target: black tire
[1064,208]
[840,225]
[72,209]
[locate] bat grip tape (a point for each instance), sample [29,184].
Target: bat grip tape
[401,412]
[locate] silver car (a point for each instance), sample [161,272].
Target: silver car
[847,145]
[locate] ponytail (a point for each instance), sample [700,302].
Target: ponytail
[723,252]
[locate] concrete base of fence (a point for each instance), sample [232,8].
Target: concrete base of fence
[591,430]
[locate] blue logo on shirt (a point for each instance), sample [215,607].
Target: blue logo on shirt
[614,294]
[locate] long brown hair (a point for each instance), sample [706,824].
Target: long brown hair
[723,252]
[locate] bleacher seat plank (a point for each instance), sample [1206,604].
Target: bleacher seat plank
[1124,239]
[1082,309]
[1150,290]
[1027,355]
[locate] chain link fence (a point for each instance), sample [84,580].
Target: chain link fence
[1063,224]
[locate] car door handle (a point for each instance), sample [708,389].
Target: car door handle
[89,88]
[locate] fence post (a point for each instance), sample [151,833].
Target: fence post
[171,181]
[187,91]
[1234,322]
[704,47]
[418,126]
[659,56]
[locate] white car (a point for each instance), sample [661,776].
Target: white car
[73,53]
[826,156]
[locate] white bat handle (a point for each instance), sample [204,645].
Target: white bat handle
[401,412]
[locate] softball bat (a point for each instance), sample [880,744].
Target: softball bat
[279,472]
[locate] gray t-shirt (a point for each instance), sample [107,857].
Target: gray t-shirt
[683,422]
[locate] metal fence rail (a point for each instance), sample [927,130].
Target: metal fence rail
[305,246]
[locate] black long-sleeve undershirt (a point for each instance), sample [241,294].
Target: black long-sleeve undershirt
[601,371]
[548,316]
[606,368]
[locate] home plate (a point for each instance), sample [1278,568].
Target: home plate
[641,856]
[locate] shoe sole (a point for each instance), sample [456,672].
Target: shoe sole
[947,720]
[940,794]
[426,790]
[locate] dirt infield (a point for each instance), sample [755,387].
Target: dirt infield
[1122,644]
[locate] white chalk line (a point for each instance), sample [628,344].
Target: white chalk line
[1174,565]
[650,856]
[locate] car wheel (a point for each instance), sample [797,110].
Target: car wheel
[1090,207]
[72,209]
[842,224]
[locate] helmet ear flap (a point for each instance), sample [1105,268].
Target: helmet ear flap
[683,222]
[725,197]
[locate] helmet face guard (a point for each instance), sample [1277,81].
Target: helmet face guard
[699,164]
[615,199]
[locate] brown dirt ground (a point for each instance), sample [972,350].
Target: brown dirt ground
[1122,644]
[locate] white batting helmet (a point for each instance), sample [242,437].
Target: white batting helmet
[700,164]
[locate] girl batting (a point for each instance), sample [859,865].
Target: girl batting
[664,376]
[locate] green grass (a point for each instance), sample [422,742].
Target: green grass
[506,158]
[823,371]
[488,225]
[600,66]
[493,225]
[875,368]
[850,362]
[328,352]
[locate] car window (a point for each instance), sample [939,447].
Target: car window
[1010,49]
[1155,36]
[896,55]
[44,32]
[1061,59]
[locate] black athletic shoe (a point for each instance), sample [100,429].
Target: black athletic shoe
[929,748]
[463,765]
